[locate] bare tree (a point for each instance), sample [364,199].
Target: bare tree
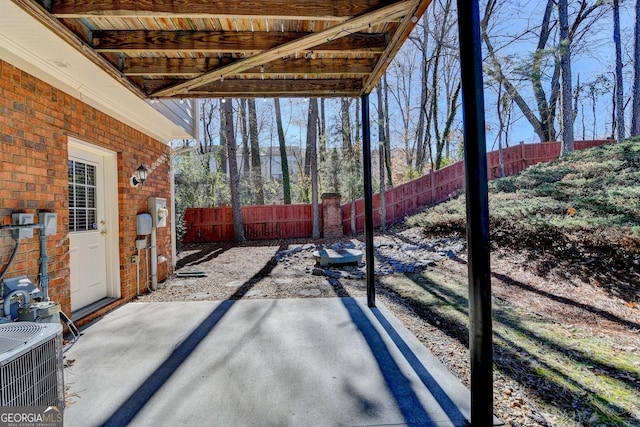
[242,118]
[345,127]
[256,165]
[423,131]
[444,78]
[284,160]
[381,155]
[234,184]
[402,72]
[539,67]
[565,65]
[387,133]
[222,165]
[312,133]
[619,102]
[322,130]
[635,106]
[502,105]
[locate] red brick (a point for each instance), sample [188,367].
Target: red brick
[35,121]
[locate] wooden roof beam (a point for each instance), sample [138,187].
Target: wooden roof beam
[256,88]
[196,66]
[279,9]
[223,41]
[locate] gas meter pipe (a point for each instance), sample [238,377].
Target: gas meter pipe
[43,277]
[154,259]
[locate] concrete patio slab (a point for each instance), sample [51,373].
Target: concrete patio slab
[261,362]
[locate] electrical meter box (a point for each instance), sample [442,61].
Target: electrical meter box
[143,224]
[159,211]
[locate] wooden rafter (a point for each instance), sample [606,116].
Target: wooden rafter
[282,9]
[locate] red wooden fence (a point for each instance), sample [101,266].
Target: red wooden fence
[288,221]
[260,222]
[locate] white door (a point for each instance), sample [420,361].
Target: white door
[87,228]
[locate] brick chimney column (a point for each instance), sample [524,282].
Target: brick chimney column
[331,215]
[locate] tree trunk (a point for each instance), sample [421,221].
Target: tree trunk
[347,147]
[435,102]
[312,126]
[387,133]
[565,65]
[357,138]
[322,148]
[284,161]
[348,156]
[222,158]
[421,149]
[383,201]
[256,165]
[500,130]
[635,108]
[242,117]
[619,87]
[238,230]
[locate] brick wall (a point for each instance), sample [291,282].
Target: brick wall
[332,215]
[36,120]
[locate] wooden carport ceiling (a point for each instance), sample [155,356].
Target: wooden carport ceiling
[236,48]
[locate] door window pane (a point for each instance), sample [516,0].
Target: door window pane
[82,196]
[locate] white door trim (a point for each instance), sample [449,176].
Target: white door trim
[111,213]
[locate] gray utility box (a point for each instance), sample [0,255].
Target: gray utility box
[22,219]
[143,224]
[50,222]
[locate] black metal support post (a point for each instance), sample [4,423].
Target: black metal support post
[475,156]
[368,203]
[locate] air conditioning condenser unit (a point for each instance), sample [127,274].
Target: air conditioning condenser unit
[31,369]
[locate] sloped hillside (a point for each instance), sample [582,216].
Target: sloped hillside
[578,215]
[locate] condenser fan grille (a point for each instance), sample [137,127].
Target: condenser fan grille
[13,335]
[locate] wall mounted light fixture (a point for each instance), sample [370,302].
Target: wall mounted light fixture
[139,176]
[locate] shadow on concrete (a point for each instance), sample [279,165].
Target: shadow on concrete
[399,385]
[138,399]
[448,406]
